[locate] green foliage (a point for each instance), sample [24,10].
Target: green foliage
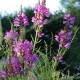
[1,33]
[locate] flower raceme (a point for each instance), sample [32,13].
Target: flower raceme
[41,9]
[21,20]
[64,37]
[40,18]
[40,12]
[21,58]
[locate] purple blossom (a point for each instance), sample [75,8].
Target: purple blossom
[41,9]
[24,47]
[21,20]
[27,46]
[69,20]
[14,60]
[57,38]
[23,72]
[27,58]
[11,35]
[64,39]
[55,58]
[34,58]
[30,58]
[18,47]
[59,58]
[2,74]
[40,34]
[40,12]
[67,45]
[16,71]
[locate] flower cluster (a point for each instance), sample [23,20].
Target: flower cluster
[41,13]
[20,62]
[17,66]
[58,58]
[23,47]
[11,35]
[2,74]
[64,37]
[20,58]
[21,20]
[69,20]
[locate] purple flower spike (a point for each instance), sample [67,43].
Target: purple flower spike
[64,37]
[40,13]
[21,20]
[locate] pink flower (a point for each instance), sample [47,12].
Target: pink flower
[64,37]
[24,47]
[40,12]
[59,58]
[69,20]
[2,74]
[67,45]
[11,35]
[57,38]
[21,20]
[40,34]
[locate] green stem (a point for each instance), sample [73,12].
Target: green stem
[35,41]
[1,33]
[75,34]
[39,1]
